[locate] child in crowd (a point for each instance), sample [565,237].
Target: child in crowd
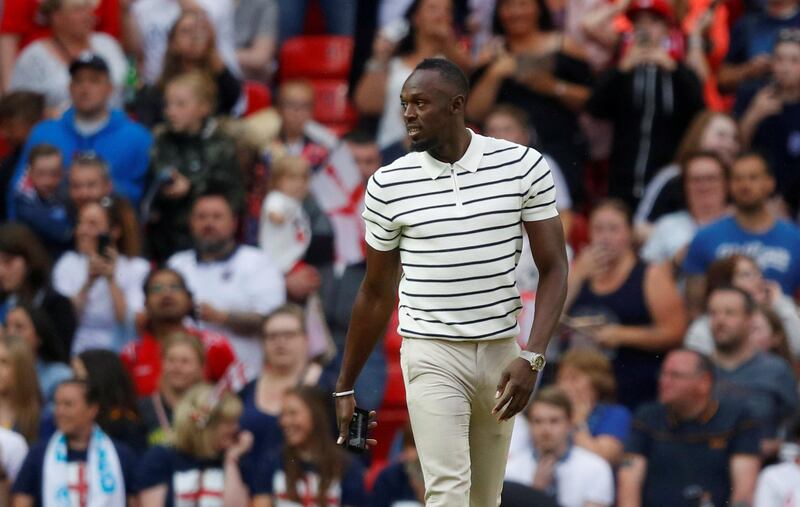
[285,230]
[190,157]
[38,202]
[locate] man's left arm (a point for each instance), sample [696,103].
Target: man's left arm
[744,473]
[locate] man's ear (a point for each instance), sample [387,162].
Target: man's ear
[457,103]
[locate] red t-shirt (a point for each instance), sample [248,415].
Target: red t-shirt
[21,17]
[142,359]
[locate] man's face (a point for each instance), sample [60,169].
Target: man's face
[45,175]
[166,298]
[679,379]
[786,65]
[650,29]
[87,183]
[367,157]
[427,106]
[296,107]
[730,322]
[750,184]
[550,427]
[72,414]
[90,91]
[503,126]
[212,223]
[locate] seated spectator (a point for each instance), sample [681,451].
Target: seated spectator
[19,112]
[118,416]
[431,33]
[543,72]
[191,157]
[599,425]
[310,465]
[771,121]
[91,126]
[286,365]
[401,483]
[190,48]
[35,327]
[648,119]
[89,181]
[203,462]
[168,306]
[103,277]
[709,131]
[705,185]
[256,35]
[574,476]
[234,285]
[41,205]
[744,374]
[20,397]
[634,308]
[183,360]
[14,452]
[688,448]
[25,279]
[742,271]
[340,16]
[779,484]
[154,20]
[753,229]
[45,66]
[79,461]
[768,333]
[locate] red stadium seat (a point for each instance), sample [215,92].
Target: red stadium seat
[332,107]
[316,57]
[258,97]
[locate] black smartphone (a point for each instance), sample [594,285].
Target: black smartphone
[357,432]
[103,242]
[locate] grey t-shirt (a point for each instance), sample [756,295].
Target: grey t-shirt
[255,18]
[766,384]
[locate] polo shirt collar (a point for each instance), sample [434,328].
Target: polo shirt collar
[469,162]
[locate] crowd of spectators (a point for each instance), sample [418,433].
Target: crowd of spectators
[178,258]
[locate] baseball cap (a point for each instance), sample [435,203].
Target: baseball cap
[89,60]
[660,8]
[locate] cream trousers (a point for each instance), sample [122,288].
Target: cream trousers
[450,392]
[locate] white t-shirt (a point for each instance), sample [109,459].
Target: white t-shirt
[581,477]
[246,281]
[39,70]
[671,232]
[778,486]
[285,242]
[97,325]
[155,19]
[391,127]
[13,450]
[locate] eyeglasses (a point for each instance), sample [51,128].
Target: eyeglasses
[292,333]
[158,288]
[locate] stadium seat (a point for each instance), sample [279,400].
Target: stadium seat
[258,97]
[332,107]
[316,57]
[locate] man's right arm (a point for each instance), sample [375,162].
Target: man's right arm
[630,480]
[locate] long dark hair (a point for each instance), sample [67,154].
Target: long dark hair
[546,23]
[18,241]
[51,346]
[329,459]
[116,395]
[408,43]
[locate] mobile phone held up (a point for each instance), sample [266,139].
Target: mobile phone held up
[357,431]
[103,242]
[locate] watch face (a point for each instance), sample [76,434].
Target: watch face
[538,362]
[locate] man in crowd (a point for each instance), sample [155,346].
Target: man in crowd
[168,304]
[762,381]
[235,286]
[571,475]
[19,112]
[752,229]
[90,125]
[79,461]
[88,181]
[687,447]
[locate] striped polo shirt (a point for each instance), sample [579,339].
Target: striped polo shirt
[458,229]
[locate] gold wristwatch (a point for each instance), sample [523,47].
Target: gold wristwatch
[537,360]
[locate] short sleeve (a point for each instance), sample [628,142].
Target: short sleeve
[154,468]
[615,422]
[29,477]
[14,452]
[746,435]
[268,19]
[695,261]
[128,462]
[353,485]
[382,232]
[539,198]
[265,471]
[768,489]
[639,440]
[600,489]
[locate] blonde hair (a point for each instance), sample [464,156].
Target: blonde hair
[25,396]
[182,338]
[285,165]
[597,366]
[200,83]
[195,421]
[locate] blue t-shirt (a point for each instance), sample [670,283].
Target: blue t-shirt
[29,479]
[270,479]
[186,477]
[392,485]
[776,251]
[610,419]
[267,434]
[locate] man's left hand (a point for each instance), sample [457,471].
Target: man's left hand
[515,388]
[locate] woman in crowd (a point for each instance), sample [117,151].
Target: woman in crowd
[630,309]
[311,465]
[286,365]
[203,461]
[769,335]
[103,276]
[119,413]
[543,72]
[35,327]
[742,271]
[43,66]
[183,360]
[601,426]
[431,33]
[25,279]
[20,398]
[191,47]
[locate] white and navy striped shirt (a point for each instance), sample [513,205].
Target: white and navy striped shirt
[458,228]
